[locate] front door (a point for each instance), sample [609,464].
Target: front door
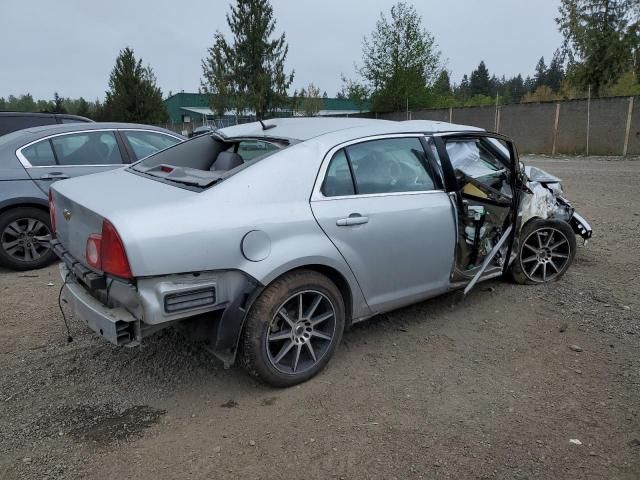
[383,207]
[483,171]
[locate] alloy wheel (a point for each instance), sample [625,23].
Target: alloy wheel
[545,254]
[301,332]
[26,239]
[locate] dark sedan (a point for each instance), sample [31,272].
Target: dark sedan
[31,159]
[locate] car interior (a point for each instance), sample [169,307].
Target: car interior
[205,159]
[486,192]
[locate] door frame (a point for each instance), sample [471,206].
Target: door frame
[451,183]
[316,192]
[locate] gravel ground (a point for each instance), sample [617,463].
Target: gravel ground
[498,385]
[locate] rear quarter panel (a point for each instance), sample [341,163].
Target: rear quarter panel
[205,231]
[17,193]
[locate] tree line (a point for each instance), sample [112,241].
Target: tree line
[133,96]
[401,68]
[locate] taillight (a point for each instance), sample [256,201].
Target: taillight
[52,212]
[114,256]
[106,252]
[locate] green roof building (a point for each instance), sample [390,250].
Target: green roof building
[191,110]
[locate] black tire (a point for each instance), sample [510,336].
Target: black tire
[546,249]
[264,322]
[17,259]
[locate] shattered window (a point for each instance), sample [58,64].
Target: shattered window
[478,171]
[468,157]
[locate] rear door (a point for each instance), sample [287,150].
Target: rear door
[382,204]
[70,155]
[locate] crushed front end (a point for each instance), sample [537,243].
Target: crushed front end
[542,197]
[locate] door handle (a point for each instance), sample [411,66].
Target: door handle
[353,219]
[54,176]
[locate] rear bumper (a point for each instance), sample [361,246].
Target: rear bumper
[124,313]
[116,325]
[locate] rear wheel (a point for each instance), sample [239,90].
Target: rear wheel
[547,249]
[25,234]
[293,328]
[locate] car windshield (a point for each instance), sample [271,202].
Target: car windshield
[206,159]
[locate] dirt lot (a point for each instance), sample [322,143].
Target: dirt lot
[486,387]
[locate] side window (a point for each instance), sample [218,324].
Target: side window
[251,149]
[476,167]
[148,143]
[87,148]
[39,154]
[390,165]
[338,181]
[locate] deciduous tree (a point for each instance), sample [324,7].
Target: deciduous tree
[400,60]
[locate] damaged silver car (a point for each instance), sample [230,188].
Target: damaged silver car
[266,240]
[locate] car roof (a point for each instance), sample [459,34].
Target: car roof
[19,138]
[6,113]
[331,129]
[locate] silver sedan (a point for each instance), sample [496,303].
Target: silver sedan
[266,240]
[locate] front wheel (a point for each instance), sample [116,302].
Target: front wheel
[293,328]
[547,249]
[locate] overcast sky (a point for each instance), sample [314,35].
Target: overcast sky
[70,46]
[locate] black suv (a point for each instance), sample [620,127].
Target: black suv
[12,121]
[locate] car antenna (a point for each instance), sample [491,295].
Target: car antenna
[266,127]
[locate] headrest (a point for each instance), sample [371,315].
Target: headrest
[226,161]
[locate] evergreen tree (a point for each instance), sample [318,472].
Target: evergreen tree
[248,72]
[58,104]
[133,95]
[479,83]
[529,85]
[516,89]
[464,89]
[540,77]
[600,38]
[83,108]
[442,85]
[555,72]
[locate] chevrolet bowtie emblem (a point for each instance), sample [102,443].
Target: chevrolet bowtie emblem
[66,214]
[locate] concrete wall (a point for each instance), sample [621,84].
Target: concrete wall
[531,128]
[533,125]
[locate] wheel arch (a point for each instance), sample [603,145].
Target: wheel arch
[28,203]
[337,278]
[233,320]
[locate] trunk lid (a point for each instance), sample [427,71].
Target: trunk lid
[81,204]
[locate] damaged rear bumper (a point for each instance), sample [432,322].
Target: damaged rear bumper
[116,325]
[123,313]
